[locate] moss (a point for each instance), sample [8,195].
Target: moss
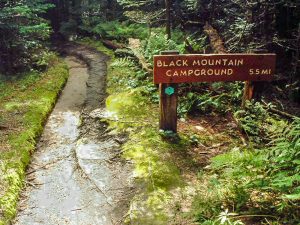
[25,103]
[153,166]
[131,111]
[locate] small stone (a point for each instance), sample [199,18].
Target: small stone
[200,128]
[182,119]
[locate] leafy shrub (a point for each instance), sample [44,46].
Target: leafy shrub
[198,42]
[219,97]
[254,182]
[222,187]
[22,34]
[115,30]
[253,121]
[284,162]
[124,52]
[158,42]
[128,74]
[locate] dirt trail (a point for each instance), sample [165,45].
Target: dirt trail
[75,176]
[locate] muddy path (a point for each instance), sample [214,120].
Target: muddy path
[76,176]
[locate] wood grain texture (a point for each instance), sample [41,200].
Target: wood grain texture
[168,108]
[168,104]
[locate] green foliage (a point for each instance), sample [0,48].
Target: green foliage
[127,75]
[158,42]
[22,33]
[199,42]
[125,52]
[253,183]
[144,12]
[121,31]
[253,120]
[224,186]
[284,164]
[218,97]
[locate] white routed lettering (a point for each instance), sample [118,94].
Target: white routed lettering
[197,73]
[240,62]
[223,72]
[159,63]
[183,73]
[210,72]
[218,62]
[266,72]
[172,63]
[204,62]
[211,62]
[196,63]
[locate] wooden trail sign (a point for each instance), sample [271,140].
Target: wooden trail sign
[212,68]
[171,68]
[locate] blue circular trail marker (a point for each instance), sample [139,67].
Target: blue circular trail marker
[169,91]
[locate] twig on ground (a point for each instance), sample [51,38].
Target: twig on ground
[279,112]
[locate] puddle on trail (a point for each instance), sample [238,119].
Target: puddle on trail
[74,177]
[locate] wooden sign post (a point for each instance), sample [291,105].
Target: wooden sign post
[170,68]
[168,102]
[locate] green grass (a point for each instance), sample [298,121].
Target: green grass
[25,103]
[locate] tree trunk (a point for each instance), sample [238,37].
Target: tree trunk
[168,18]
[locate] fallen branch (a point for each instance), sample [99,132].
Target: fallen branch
[112,45]
[2,127]
[34,184]
[216,42]
[279,112]
[134,45]
[34,170]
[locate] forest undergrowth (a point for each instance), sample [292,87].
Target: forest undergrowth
[239,170]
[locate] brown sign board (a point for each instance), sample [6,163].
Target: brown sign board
[213,68]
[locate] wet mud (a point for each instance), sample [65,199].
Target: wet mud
[76,175]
